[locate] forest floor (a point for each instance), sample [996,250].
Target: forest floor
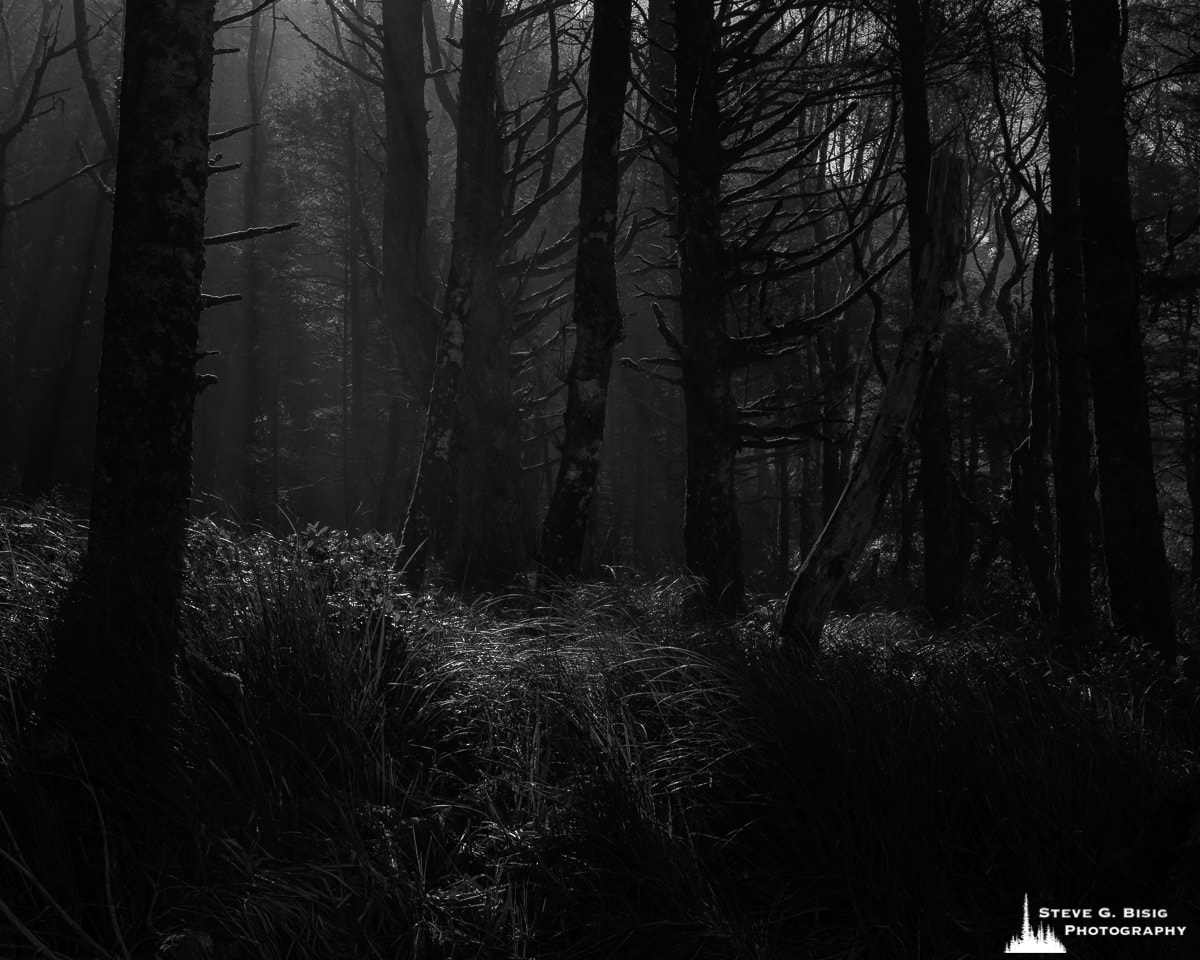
[600,773]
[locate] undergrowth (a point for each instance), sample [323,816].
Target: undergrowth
[597,773]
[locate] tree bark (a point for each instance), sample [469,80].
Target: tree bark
[841,543]
[597,310]
[783,521]
[712,537]
[1029,492]
[902,501]
[1135,560]
[250,450]
[487,549]
[1072,450]
[112,686]
[941,574]
[471,284]
[354,332]
[407,282]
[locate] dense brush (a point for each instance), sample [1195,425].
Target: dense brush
[601,774]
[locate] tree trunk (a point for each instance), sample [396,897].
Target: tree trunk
[1029,492]
[407,282]
[1191,463]
[938,526]
[354,347]
[840,544]
[838,376]
[907,522]
[471,285]
[8,351]
[250,447]
[783,522]
[712,538]
[112,686]
[1072,451]
[933,436]
[597,311]
[1135,560]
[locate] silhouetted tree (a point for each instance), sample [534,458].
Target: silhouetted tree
[112,685]
[1072,453]
[472,284]
[937,502]
[1138,579]
[407,283]
[711,532]
[597,310]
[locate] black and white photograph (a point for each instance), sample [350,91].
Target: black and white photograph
[599,479]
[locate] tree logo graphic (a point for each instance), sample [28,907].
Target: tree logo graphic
[1034,939]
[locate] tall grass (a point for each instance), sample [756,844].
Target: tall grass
[597,773]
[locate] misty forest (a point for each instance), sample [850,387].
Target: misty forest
[561,479]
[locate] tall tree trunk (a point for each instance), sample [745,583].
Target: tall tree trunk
[1029,492]
[407,282]
[112,685]
[838,376]
[597,311]
[354,348]
[1138,577]
[1072,452]
[841,543]
[8,341]
[1191,465]
[712,538]
[250,449]
[938,522]
[904,506]
[471,285]
[937,502]
[783,521]
[1190,452]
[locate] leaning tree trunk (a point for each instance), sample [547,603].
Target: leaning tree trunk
[597,312]
[832,558]
[475,241]
[1072,451]
[712,537]
[112,686]
[1138,577]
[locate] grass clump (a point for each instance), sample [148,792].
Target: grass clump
[596,773]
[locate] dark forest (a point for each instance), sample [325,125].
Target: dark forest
[560,479]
